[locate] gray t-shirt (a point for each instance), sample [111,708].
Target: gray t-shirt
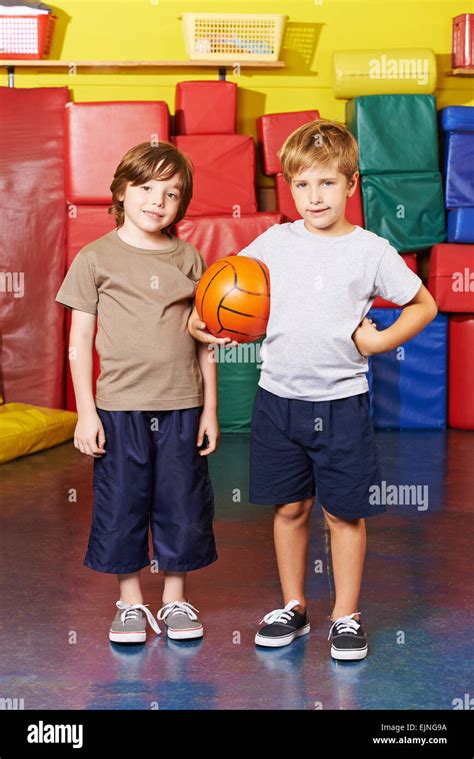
[321,289]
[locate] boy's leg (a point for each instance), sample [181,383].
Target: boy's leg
[174,587]
[182,510]
[118,540]
[181,517]
[130,591]
[348,544]
[290,532]
[281,473]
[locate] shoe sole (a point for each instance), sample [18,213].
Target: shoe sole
[262,640]
[198,632]
[135,637]
[353,655]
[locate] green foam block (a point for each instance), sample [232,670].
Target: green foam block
[406,209]
[394,132]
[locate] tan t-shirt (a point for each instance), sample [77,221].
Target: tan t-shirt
[143,298]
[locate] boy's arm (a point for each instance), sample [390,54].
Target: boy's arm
[208,423]
[89,427]
[416,314]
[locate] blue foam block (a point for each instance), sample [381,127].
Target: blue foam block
[408,384]
[459,169]
[461,225]
[457,118]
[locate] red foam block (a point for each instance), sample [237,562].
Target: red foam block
[219,236]
[273,129]
[97,137]
[205,108]
[461,372]
[32,246]
[451,277]
[224,178]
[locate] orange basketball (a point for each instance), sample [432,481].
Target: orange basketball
[233,298]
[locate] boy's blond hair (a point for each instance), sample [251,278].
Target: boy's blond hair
[320,141]
[146,161]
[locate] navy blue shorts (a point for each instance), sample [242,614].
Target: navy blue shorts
[295,445]
[151,476]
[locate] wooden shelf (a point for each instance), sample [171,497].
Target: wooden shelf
[139,64]
[463,72]
[221,66]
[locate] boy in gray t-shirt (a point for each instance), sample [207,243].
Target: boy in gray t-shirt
[311,417]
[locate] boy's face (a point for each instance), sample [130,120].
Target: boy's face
[320,194]
[153,205]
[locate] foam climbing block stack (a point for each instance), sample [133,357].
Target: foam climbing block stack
[409,383]
[451,277]
[461,371]
[97,137]
[224,178]
[219,236]
[205,107]
[273,129]
[380,124]
[405,208]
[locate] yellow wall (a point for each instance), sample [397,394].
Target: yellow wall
[150,29]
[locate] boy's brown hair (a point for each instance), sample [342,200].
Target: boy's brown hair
[320,141]
[141,164]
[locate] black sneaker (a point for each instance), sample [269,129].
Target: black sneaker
[348,641]
[282,626]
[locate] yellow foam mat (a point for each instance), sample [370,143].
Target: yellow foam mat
[393,71]
[26,429]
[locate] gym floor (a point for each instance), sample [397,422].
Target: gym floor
[416,596]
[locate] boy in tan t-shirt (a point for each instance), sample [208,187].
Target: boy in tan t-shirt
[156,396]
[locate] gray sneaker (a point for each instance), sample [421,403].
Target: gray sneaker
[129,624]
[181,621]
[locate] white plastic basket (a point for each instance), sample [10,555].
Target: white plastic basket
[233,37]
[26,36]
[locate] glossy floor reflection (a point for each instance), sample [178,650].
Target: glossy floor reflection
[416,598]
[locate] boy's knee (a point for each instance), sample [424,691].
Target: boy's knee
[294,511]
[334,521]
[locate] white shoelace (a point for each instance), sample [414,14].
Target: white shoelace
[177,607]
[346,624]
[131,611]
[281,615]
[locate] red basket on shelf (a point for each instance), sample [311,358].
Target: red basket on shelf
[26,37]
[462,54]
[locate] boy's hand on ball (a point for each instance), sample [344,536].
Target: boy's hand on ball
[89,436]
[199,331]
[367,338]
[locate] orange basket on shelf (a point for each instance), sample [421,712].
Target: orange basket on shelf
[26,37]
